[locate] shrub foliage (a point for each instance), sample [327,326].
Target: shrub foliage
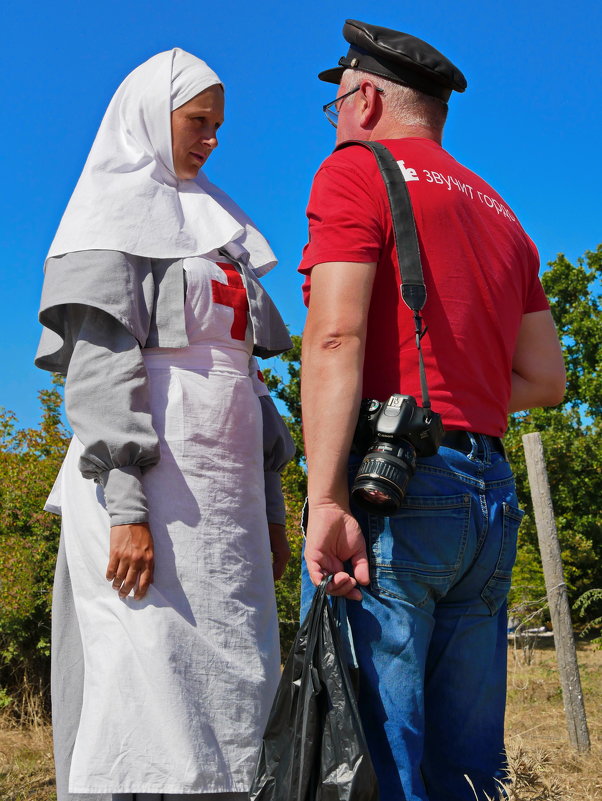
[29,462]
[572,439]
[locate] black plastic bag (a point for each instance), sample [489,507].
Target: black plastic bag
[314,747]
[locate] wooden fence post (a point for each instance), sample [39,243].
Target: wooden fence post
[557,594]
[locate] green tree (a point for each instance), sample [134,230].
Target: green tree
[574,292]
[572,438]
[289,587]
[29,462]
[294,485]
[289,392]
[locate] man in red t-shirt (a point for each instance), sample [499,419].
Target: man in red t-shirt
[430,631]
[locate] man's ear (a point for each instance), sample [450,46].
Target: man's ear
[369,104]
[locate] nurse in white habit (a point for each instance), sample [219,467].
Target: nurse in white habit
[165,638]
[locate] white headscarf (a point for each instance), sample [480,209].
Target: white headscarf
[128,197]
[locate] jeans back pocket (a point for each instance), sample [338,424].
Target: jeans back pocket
[417,553]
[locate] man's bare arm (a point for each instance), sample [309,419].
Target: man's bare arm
[332,365]
[538,374]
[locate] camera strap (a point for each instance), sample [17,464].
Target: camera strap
[413,290]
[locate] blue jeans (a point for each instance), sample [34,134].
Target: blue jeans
[430,632]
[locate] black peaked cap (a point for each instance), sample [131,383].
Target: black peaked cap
[399,57]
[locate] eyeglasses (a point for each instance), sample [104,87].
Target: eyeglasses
[332,109]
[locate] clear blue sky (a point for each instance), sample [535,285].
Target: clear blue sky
[529,122]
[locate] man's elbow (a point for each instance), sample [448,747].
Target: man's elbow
[332,341]
[537,390]
[554,389]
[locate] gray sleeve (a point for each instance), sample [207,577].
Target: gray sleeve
[278,450]
[107,405]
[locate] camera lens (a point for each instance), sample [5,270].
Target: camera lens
[383,476]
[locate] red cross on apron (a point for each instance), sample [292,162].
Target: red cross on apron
[232,294]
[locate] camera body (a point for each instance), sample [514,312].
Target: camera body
[390,436]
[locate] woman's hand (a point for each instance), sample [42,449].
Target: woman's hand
[131,559]
[281,551]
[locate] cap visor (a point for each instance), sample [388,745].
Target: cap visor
[332,76]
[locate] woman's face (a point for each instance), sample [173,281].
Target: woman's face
[194,131]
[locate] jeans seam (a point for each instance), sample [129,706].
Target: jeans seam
[497,574]
[390,594]
[450,474]
[399,567]
[372,557]
[479,483]
[436,506]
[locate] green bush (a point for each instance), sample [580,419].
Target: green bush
[288,588]
[29,462]
[572,440]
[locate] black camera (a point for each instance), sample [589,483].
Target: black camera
[391,435]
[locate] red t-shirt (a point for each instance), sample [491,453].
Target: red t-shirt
[480,270]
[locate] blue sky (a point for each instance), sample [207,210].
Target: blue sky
[529,122]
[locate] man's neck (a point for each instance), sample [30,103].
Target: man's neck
[388,129]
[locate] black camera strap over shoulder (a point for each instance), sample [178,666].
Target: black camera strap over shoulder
[413,289]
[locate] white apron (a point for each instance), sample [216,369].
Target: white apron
[178,686]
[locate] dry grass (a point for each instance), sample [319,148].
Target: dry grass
[26,767]
[542,765]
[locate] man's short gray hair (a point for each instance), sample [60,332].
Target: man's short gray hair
[403,104]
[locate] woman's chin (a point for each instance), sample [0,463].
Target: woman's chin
[188,175]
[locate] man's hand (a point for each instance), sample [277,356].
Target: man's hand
[334,537]
[281,551]
[131,559]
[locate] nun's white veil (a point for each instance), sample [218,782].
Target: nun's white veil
[128,197]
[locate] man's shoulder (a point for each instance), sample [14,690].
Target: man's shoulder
[355,157]
[351,171]
[351,158]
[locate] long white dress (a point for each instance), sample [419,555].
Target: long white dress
[178,686]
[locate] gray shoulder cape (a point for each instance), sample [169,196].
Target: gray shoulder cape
[145,295]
